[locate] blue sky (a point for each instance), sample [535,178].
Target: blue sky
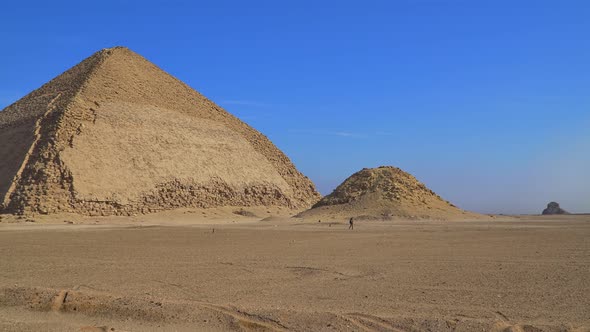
[486,102]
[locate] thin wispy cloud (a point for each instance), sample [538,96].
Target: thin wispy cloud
[384,133]
[244,103]
[340,133]
[247,110]
[320,132]
[343,134]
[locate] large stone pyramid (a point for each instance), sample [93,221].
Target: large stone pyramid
[385,193]
[116,135]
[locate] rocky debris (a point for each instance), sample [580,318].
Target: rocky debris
[384,193]
[553,208]
[387,182]
[245,213]
[82,143]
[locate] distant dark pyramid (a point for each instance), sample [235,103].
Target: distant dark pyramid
[116,135]
[553,208]
[384,193]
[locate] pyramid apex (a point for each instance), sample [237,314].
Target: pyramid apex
[115,49]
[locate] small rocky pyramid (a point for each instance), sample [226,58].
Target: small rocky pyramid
[384,193]
[116,135]
[553,208]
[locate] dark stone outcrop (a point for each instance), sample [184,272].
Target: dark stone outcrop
[553,208]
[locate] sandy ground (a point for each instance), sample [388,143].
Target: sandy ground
[140,274]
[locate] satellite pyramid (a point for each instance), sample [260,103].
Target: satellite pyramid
[116,135]
[384,193]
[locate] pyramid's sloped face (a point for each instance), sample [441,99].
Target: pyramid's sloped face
[131,148]
[15,143]
[134,139]
[55,93]
[21,135]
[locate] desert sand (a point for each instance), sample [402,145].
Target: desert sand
[205,270]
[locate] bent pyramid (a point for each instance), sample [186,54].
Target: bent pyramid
[384,193]
[116,135]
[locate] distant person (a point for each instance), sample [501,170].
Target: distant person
[351,224]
